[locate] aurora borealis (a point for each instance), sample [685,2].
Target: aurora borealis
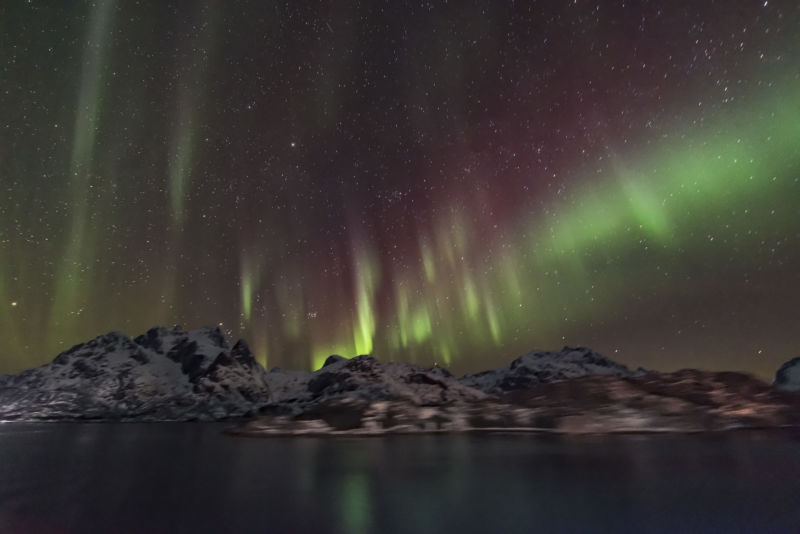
[427,182]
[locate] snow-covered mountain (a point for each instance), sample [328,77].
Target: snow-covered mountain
[787,378]
[165,374]
[542,367]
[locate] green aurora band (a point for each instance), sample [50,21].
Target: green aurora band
[713,192]
[82,238]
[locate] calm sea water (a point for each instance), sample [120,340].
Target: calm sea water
[175,478]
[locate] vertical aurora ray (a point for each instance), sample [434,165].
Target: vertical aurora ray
[191,68]
[180,163]
[247,298]
[191,95]
[427,261]
[367,277]
[249,279]
[351,330]
[260,346]
[72,283]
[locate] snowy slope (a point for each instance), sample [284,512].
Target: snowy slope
[165,374]
[542,367]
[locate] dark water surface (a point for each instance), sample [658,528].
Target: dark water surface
[172,478]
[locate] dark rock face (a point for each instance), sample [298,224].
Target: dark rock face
[151,339]
[787,378]
[185,353]
[223,360]
[241,354]
[216,336]
[330,382]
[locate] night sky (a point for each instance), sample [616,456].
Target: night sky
[438,182]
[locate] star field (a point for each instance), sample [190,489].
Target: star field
[445,182]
